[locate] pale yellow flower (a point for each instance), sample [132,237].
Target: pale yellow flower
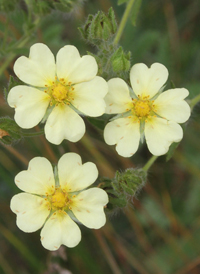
[55,199]
[58,92]
[144,111]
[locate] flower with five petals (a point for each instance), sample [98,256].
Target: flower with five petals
[145,111]
[57,92]
[54,199]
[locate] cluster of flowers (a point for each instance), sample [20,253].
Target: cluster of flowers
[59,93]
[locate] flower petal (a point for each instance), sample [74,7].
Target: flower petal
[60,229]
[147,81]
[37,70]
[64,123]
[160,134]
[30,105]
[88,96]
[73,176]
[38,179]
[31,211]
[125,132]
[88,207]
[118,99]
[171,105]
[74,68]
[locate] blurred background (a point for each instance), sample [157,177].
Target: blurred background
[159,232]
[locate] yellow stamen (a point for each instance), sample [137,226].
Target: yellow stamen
[59,92]
[59,199]
[142,108]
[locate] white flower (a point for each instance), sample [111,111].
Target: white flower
[65,86]
[51,200]
[145,111]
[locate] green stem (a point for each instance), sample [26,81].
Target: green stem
[149,163]
[195,101]
[32,134]
[123,21]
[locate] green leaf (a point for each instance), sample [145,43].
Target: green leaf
[121,2]
[135,11]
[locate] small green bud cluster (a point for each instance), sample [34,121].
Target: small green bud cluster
[99,27]
[10,132]
[123,187]
[99,30]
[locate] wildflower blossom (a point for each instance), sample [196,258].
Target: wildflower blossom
[54,200]
[145,111]
[57,92]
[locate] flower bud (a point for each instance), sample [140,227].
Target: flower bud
[124,186]
[130,181]
[10,132]
[99,27]
[120,61]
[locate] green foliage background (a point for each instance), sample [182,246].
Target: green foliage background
[160,232]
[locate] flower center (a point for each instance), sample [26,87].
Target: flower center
[59,199]
[60,92]
[142,108]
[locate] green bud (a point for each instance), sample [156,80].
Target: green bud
[122,187]
[99,28]
[130,181]
[120,61]
[10,132]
